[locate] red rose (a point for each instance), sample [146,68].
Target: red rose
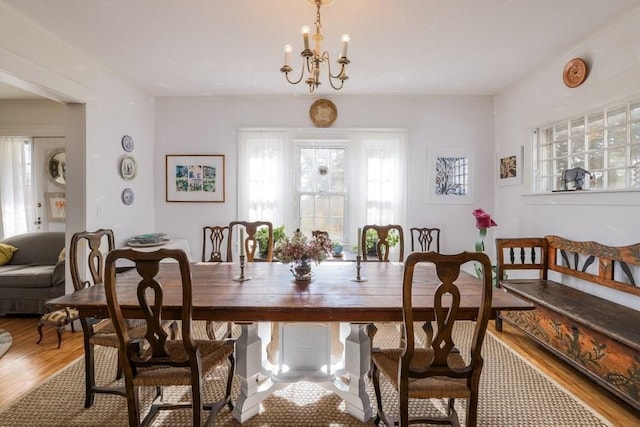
[483,219]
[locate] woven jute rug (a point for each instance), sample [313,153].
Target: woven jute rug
[5,341]
[513,393]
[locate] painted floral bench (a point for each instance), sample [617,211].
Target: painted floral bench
[598,337]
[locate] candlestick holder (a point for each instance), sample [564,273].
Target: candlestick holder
[241,277]
[358,278]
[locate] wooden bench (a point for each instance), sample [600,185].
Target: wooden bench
[598,337]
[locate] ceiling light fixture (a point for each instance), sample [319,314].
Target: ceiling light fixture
[313,60]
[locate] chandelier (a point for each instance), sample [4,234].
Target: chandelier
[314,59]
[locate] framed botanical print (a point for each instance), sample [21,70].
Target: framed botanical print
[450,176]
[195,178]
[509,167]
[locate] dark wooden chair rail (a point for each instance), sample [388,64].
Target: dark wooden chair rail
[597,336]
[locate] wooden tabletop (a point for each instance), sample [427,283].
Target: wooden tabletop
[272,295]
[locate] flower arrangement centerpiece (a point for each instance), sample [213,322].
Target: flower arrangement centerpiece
[301,252]
[483,221]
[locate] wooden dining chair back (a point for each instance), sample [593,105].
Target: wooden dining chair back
[446,366]
[86,264]
[154,360]
[382,245]
[214,238]
[250,242]
[425,239]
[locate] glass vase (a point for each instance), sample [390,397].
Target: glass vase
[301,269]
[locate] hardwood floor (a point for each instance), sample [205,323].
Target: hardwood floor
[28,364]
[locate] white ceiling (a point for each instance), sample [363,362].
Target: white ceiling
[230,47]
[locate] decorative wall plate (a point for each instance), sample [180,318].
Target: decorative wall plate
[128,168]
[574,73]
[323,113]
[127,196]
[127,143]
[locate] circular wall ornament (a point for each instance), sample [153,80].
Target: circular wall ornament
[323,113]
[127,196]
[574,73]
[128,168]
[127,143]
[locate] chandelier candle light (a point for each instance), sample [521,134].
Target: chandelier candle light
[313,60]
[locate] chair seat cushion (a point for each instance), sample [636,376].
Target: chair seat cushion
[213,353]
[105,334]
[60,317]
[388,361]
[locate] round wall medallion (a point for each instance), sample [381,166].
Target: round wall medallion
[127,196]
[323,113]
[127,143]
[574,73]
[128,168]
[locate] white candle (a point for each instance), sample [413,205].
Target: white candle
[287,54]
[305,36]
[359,239]
[242,242]
[345,42]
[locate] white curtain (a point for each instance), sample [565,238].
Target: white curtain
[264,171]
[16,199]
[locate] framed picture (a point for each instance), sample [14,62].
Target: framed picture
[195,178]
[509,167]
[56,207]
[450,176]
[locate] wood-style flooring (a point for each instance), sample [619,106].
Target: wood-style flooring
[28,364]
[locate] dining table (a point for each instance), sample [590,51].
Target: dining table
[340,299]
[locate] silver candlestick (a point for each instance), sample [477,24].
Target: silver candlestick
[241,277]
[358,278]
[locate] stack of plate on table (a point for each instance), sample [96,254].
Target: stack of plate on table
[147,240]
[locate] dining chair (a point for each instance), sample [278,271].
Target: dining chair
[442,366]
[424,239]
[86,257]
[250,242]
[213,239]
[382,245]
[86,264]
[153,360]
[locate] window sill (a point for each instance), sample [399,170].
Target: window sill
[622,197]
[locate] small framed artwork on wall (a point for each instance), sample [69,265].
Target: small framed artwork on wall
[195,178]
[509,167]
[56,207]
[450,176]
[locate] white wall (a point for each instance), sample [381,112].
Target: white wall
[613,56]
[207,125]
[108,108]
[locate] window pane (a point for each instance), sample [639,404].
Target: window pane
[617,136]
[595,136]
[597,179]
[596,160]
[577,161]
[615,178]
[577,145]
[616,116]
[577,126]
[562,131]
[616,158]
[561,149]
[635,154]
[635,132]
[635,110]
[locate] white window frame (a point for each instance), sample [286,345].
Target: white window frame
[562,145]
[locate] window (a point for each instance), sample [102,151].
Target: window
[322,180]
[322,189]
[606,143]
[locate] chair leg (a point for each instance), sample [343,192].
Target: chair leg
[59,330]
[375,375]
[40,325]
[232,367]
[133,405]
